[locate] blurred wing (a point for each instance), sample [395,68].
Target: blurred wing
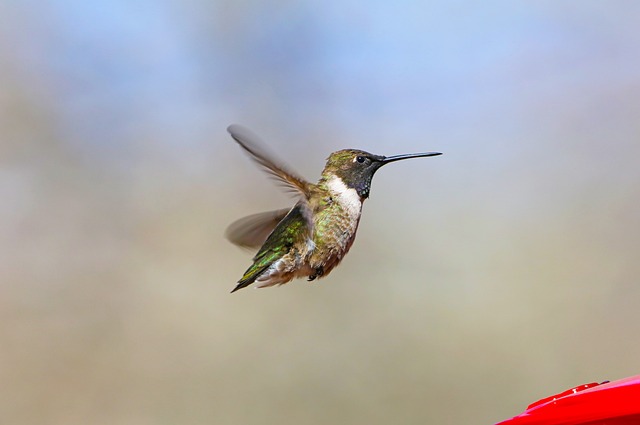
[251,143]
[251,232]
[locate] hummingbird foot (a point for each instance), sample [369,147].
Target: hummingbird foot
[318,272]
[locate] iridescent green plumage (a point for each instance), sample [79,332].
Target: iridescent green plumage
[291,230]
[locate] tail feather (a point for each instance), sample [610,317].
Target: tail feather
[250,276]
[240,286]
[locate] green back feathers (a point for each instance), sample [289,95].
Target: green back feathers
[291,230]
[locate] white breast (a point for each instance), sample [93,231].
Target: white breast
[346,196]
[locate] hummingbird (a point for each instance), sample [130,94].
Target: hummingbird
[311,238]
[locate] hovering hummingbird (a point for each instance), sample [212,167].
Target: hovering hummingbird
[311,238]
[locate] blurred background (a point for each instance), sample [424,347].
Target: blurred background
[504,271]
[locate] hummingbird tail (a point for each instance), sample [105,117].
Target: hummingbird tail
[251,275]
[240,286]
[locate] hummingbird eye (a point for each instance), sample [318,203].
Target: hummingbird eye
[361,159]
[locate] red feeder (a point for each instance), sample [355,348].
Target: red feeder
[608,403]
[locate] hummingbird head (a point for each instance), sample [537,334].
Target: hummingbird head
[355,168]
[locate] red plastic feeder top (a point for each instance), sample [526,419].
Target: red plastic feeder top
[608,403]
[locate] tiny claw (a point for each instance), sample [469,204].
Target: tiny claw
[319,271]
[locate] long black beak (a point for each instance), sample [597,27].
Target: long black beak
[389,159]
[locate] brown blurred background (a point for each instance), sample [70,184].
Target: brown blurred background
[501,272]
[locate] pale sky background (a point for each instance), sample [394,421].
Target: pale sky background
[502,272]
